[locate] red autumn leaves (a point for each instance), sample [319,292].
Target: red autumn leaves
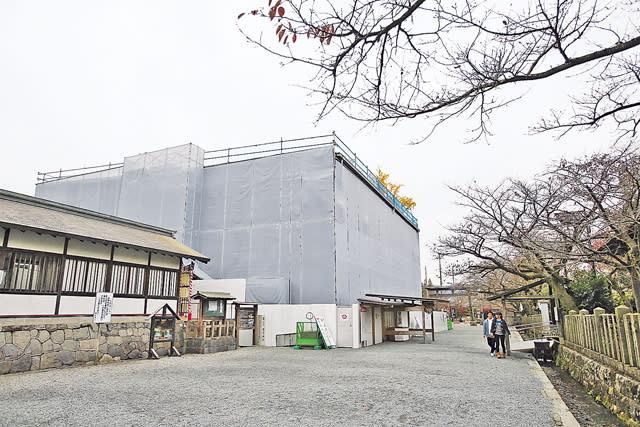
[277,11]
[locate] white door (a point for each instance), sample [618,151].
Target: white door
[345,326]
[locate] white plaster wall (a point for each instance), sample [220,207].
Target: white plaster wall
[89,249]
[35,242]
[131,256]
[365,327]
[355,314]
[129,306]
[282,318]
[76,305]
[166,261]
[154,304]
[378,317]
[12,305]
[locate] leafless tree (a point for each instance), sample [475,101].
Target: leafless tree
[605,191]
[504,231]
[578,213]
[388,60]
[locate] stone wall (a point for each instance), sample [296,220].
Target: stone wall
[33,344]
[206,346]
[28,344]
[617,389]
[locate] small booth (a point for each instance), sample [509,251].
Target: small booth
[246,315]
[390,317]
[163,330]
[213,305]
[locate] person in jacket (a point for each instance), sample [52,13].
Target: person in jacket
[499,330]
[486,332]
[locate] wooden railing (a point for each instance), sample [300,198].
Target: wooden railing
[211,329]
[616,336]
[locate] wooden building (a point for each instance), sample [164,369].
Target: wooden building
[55,257]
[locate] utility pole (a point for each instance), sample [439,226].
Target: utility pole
[440,267]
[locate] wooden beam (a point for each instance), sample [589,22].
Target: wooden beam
[60,278]
[424,324]
[433,329]
[373,326]
[409,332]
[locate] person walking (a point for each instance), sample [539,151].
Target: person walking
[499,330]
[486,333]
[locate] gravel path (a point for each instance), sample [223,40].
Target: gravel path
[453,381]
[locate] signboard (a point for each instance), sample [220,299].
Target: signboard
[102,307]
[326,334]
[184,297]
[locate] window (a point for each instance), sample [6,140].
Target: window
[84,276]
[163,283]
[29,272]
[127,279]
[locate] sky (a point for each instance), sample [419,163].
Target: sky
[85,83]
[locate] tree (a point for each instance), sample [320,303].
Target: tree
[577,215]
[591,290]
[504,231]
[389,60]
[605,189]
[394,189]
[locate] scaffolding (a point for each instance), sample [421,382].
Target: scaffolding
[255,151]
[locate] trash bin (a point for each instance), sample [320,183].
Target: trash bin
[449,324]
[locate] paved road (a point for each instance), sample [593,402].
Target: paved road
[453,381]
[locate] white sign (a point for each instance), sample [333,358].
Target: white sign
[102,308]
[326,334]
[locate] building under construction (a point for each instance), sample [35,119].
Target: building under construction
[303,221]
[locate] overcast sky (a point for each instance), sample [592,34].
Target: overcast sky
[85,83]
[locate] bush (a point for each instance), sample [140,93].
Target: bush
[590,290]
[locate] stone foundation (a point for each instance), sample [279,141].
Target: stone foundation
[620,392]
[34,344]
[202,346]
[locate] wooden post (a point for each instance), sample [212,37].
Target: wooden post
[625,353]
[433,329]
[597,324]
[583,329]
[373,325]
[424,324]
[504,317]
[236,336]
[95,362]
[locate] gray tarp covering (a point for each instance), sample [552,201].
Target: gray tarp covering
[98,191]
[304,221]
[272,217]
[160,188]
[268,290]
[377,251]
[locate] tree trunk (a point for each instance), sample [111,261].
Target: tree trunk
[565,301]
[635,283]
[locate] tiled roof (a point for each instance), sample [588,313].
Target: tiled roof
[22,211]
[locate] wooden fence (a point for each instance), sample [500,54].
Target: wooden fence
[211,329]
[616,336]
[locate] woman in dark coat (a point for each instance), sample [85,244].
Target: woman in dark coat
[499,330]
